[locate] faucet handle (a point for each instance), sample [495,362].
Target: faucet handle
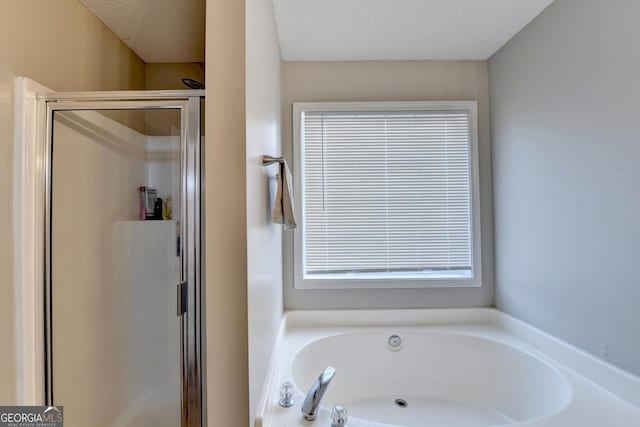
[339,416]
[286,395]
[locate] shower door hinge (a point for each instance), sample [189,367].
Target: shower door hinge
[182,298]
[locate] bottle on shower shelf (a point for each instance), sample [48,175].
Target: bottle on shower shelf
[157,209]
[167,208]
[143,203]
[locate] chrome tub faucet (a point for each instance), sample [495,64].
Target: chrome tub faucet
[314,396]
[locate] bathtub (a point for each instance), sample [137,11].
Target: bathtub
[444,368]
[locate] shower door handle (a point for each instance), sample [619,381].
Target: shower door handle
[182,299]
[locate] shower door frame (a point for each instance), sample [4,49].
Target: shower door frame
[191,320]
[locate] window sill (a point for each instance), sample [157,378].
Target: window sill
[329,283]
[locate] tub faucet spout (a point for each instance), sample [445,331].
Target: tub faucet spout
[314,396]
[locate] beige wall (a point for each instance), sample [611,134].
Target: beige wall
[63,46]
[393,81]
[169,76]
[264,238]
[226,225]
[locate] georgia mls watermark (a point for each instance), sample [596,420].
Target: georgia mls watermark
[31,416]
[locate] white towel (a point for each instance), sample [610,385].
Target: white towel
[283,206]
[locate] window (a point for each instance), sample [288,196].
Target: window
[387,194]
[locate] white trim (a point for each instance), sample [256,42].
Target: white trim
[298,155]
[28,243]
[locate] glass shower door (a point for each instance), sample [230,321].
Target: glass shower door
[122,342]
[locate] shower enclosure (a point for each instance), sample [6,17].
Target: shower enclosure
[122,273]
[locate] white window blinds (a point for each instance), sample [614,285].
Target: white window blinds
[386,193]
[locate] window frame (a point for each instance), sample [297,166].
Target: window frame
[299,282]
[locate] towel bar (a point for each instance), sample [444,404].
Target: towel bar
[268,160]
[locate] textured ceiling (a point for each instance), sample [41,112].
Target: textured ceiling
[157,30]
[335,30]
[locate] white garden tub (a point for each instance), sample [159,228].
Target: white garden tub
[454,368]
